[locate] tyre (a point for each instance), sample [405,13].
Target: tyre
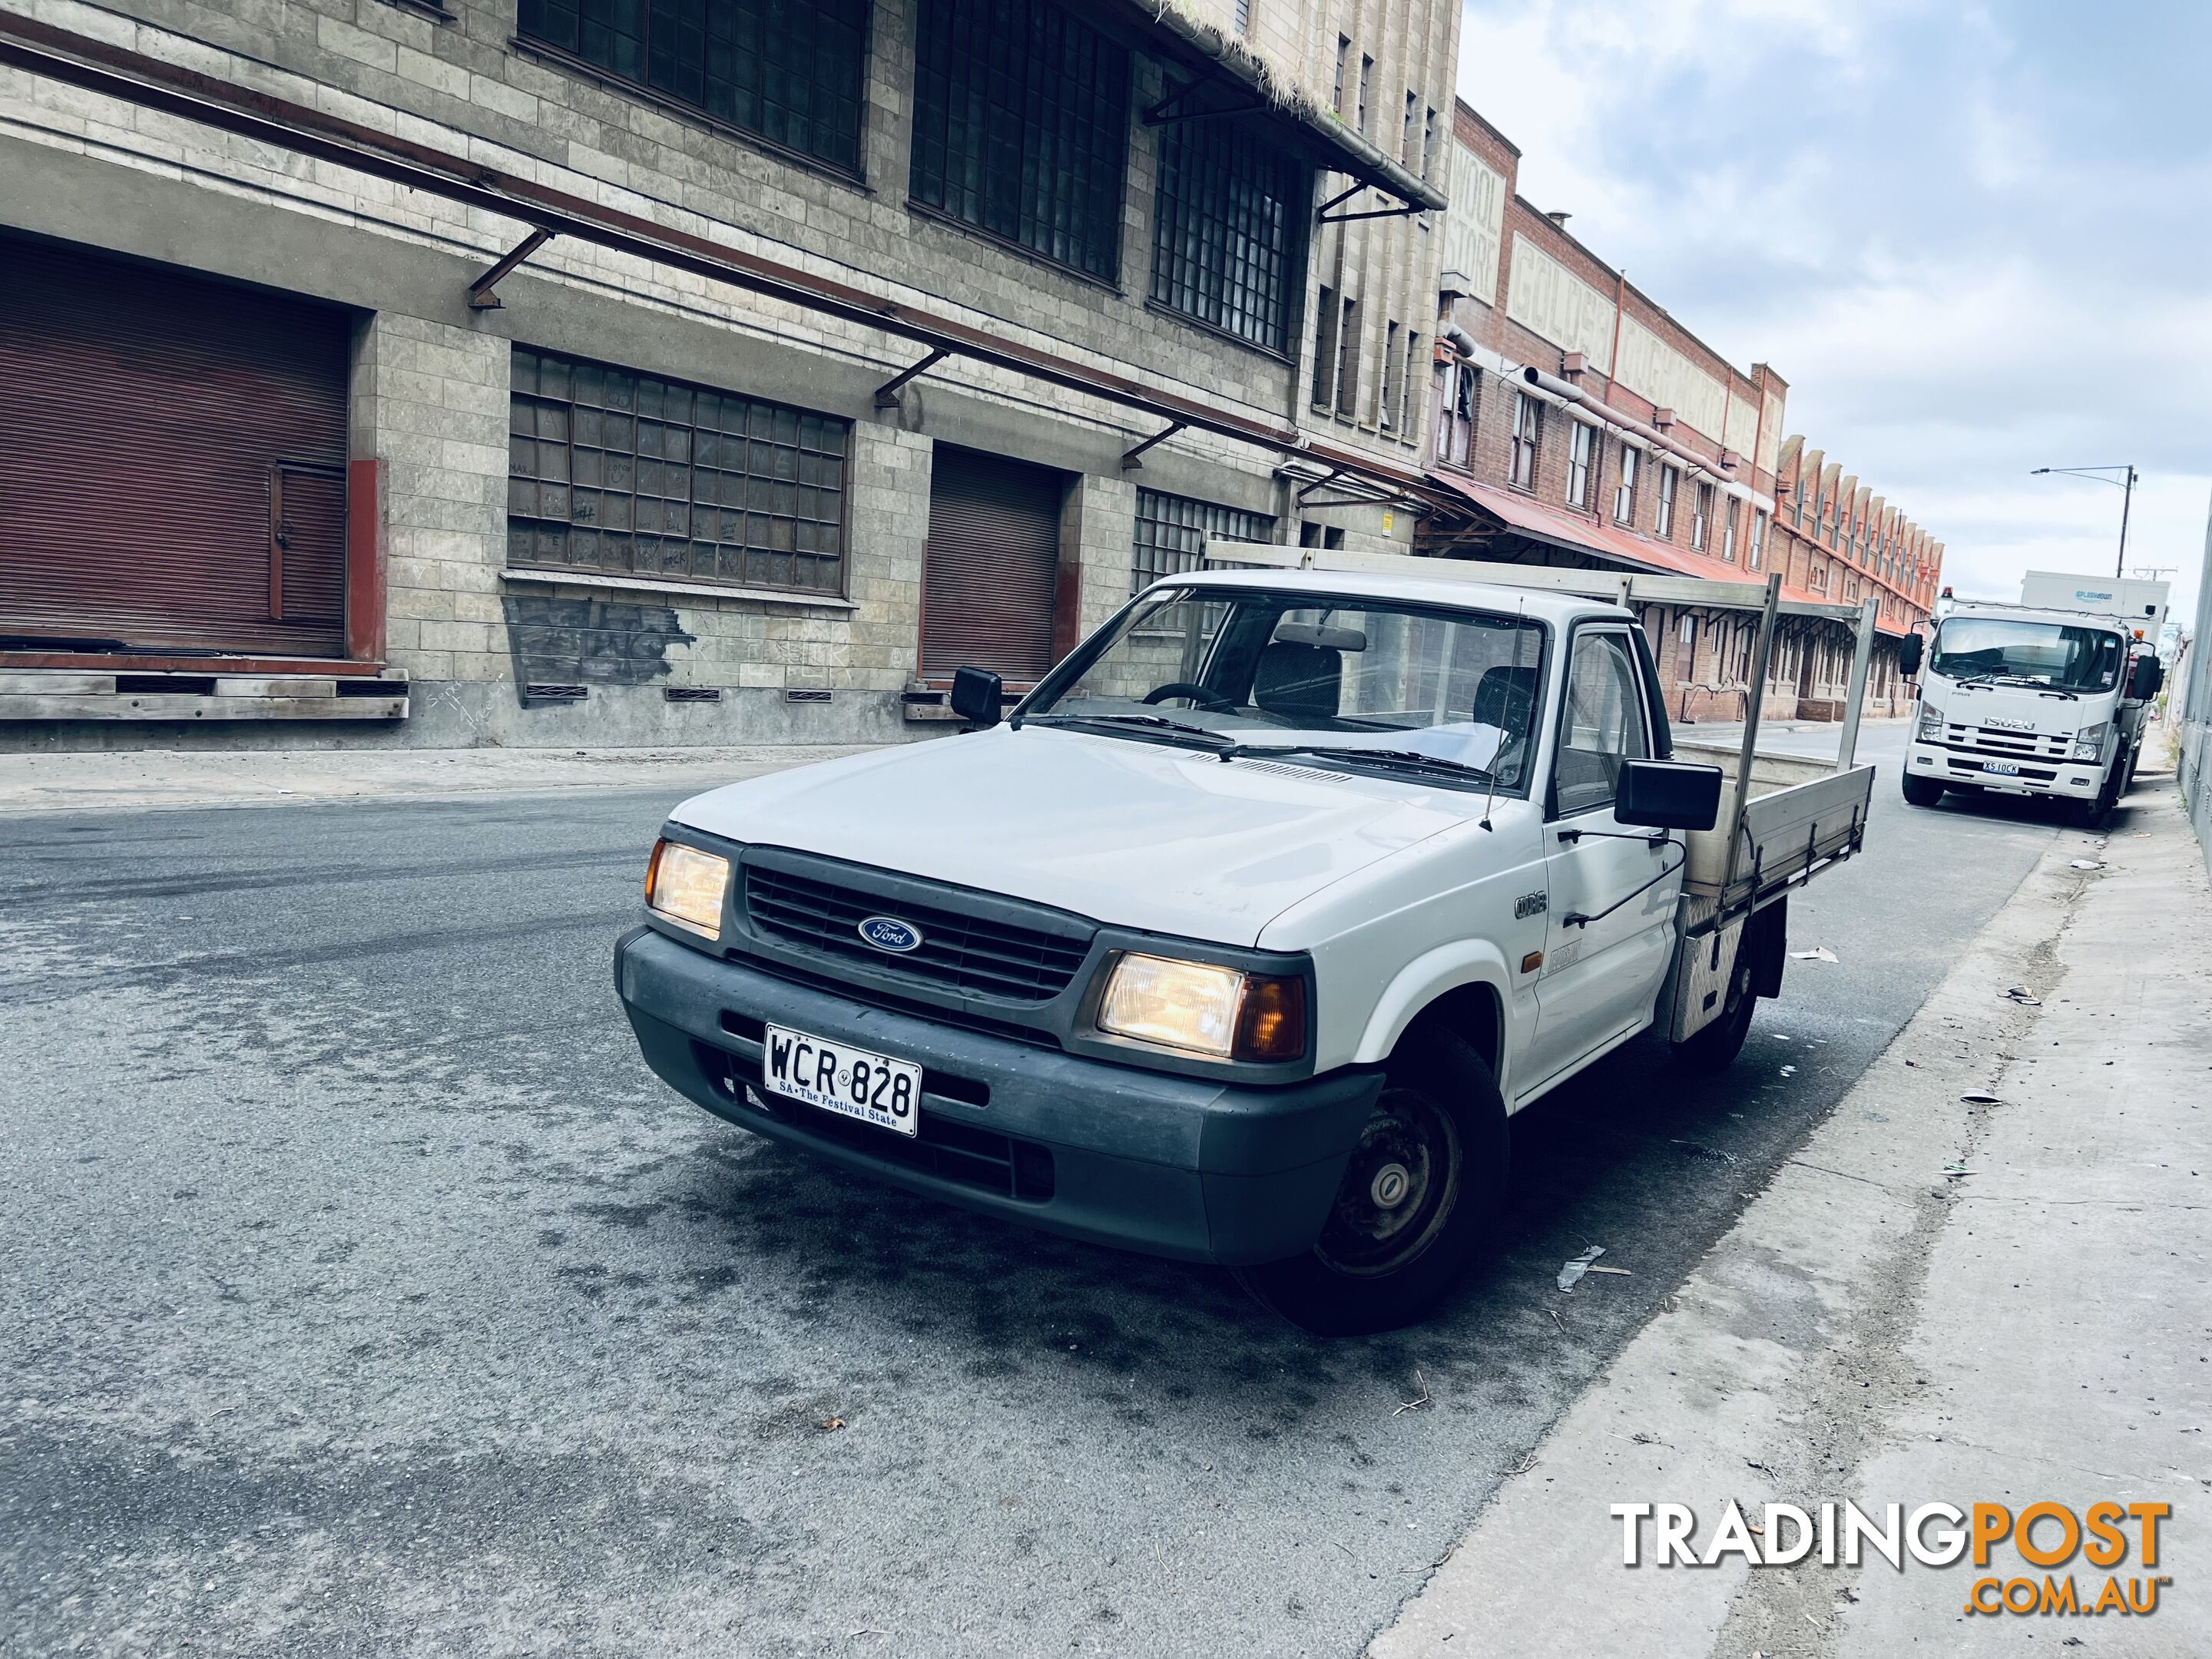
[1715,1048]
[2092,814]
[1923,792]
[1419,1194]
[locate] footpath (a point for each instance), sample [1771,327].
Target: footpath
[1984,1279]
[138,780]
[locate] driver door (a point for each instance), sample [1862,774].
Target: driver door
[1599,977]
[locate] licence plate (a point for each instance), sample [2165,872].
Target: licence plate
[838,1077]
[2002,769]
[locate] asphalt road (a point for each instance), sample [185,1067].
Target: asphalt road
[361,1292]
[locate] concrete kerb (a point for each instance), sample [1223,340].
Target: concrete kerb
[92,782]
[1873,1317]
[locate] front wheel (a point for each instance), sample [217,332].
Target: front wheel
[1418,1193]
[1923,792]
[2092,814]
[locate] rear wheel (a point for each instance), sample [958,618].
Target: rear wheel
[1418,1193]
[1923,792]
[1714,1048]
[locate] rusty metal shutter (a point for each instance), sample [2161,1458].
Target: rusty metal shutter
[993,558]
[172,460]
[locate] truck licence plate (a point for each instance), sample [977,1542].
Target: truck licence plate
[851,1082]
[2002,769]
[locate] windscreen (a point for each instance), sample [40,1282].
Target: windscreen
[2014,653]
[1271,669]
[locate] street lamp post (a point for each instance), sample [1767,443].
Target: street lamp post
[2127,500]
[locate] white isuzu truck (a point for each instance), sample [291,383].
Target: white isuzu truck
[2046,697]
[1240,938]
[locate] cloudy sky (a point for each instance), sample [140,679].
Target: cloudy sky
[1975,239]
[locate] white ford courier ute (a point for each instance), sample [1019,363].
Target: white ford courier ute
[1240,938]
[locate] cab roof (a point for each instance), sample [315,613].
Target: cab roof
[1542,605]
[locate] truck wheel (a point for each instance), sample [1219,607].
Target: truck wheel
[1420,1192]
[2090,814]
[1714,1048]
[1923,792]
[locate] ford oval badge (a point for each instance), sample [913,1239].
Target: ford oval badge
[889,933]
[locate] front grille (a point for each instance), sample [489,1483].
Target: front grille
[963,952]
[957,1152]
[2007,746]
[870,996]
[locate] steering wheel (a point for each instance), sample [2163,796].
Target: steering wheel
[1212,702]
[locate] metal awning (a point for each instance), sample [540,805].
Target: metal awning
[1337,148]
[1521,515]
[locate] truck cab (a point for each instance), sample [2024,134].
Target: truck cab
[2038,700]
[1241,938]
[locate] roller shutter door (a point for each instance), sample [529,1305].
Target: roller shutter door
[172,460]
[992,563]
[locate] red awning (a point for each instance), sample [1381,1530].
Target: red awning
[1561,528]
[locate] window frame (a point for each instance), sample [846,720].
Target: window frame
[1701,517]
[1211,271]
[1457,412]
[1138,580]
[1525,446]
[573,60]
[1624,492]
[1601,627]
[1105,237]
[842,559]
[1390,394]
[1670,487]
[1582,449]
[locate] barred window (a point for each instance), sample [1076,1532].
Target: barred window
[613,471]
[789,70]
[1021,127]
[1229,237]
[1172,532]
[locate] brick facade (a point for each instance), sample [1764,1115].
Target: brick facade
[1644,385]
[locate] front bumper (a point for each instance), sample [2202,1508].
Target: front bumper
[1961,768]
[1173,1166]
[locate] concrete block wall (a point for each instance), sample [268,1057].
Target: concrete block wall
[431,377]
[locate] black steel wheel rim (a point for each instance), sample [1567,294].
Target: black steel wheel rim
[1399,1186]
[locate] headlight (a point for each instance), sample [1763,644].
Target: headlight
[1203,1008]
[686,885]
[2089,741]
[1930,729]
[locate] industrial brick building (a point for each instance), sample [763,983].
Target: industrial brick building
[589,371]
[1576,422]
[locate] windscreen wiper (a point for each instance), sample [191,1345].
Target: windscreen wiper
[1149,722]
[1410,758]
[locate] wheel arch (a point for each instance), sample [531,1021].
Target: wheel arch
[1464,990]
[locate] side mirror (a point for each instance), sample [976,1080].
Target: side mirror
[1909,651]
[1659,794]
[2150,674]
[975,696]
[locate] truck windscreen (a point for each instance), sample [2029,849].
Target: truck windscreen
[2010,652]
[1401,684]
